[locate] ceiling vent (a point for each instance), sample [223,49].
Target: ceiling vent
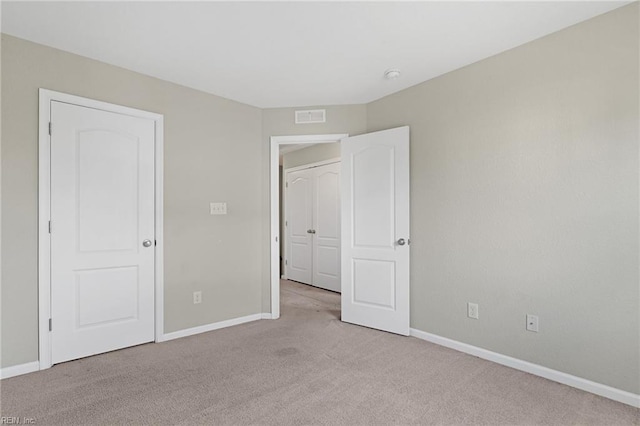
[311,116]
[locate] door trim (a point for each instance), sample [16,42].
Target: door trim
[274,196]
[44,211]
[285,174]
[312,165]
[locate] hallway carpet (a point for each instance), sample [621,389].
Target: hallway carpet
[305,368]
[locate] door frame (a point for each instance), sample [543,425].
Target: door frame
[44,211]
[274,185]
[285,172]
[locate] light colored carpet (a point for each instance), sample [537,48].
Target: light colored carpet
[305,368]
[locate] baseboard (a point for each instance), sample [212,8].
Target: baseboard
[17,370]
[267,315]
[209,327]
[535,369]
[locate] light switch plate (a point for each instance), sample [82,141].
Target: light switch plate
[218,208]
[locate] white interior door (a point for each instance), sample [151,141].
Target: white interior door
[375,230]
[102,231]
[313,226]
[326,224]
[299,226]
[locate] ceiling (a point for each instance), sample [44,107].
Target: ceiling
[274,54]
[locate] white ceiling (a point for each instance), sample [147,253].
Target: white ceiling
[273,54]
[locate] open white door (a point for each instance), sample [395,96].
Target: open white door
[375,230]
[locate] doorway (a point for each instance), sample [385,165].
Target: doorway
[100,227]
[374,217]
[275,197]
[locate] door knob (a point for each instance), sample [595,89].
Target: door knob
[401,242]
[147,243]
[311,231]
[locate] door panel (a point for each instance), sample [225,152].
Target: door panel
[374,283]
[102,208]
[375,213]
[107,170]
[374,208]
[300,220]
[107,295]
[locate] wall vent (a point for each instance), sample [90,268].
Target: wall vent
[311,116]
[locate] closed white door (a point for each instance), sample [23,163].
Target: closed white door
[326,227]
[313,226]
[102,231]
[375,230]
[299,226]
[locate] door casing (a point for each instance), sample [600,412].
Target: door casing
[44,202]
[274,194]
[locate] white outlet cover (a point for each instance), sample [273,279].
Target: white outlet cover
[473,310]
[533,323]
[218,208]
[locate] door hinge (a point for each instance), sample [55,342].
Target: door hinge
[50,126]
[286,223]
[50,324]
[276,239]
[49,226]
[155,242]
[286,262]
[286,185]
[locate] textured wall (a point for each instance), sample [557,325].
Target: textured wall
[524,199]
[212,153]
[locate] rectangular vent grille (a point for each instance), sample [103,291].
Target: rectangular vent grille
[311,116]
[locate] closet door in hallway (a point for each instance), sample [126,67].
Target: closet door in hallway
[312,221]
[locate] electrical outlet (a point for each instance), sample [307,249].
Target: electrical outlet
[532,323]
[197,297]
[218,208]
[473,310]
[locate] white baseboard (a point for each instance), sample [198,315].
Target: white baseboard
[535,369]
[267,315]
[17,370]
[210,327]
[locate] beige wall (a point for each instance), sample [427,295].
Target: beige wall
[349,119]
[312,154]
[524,199]
[208,157]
